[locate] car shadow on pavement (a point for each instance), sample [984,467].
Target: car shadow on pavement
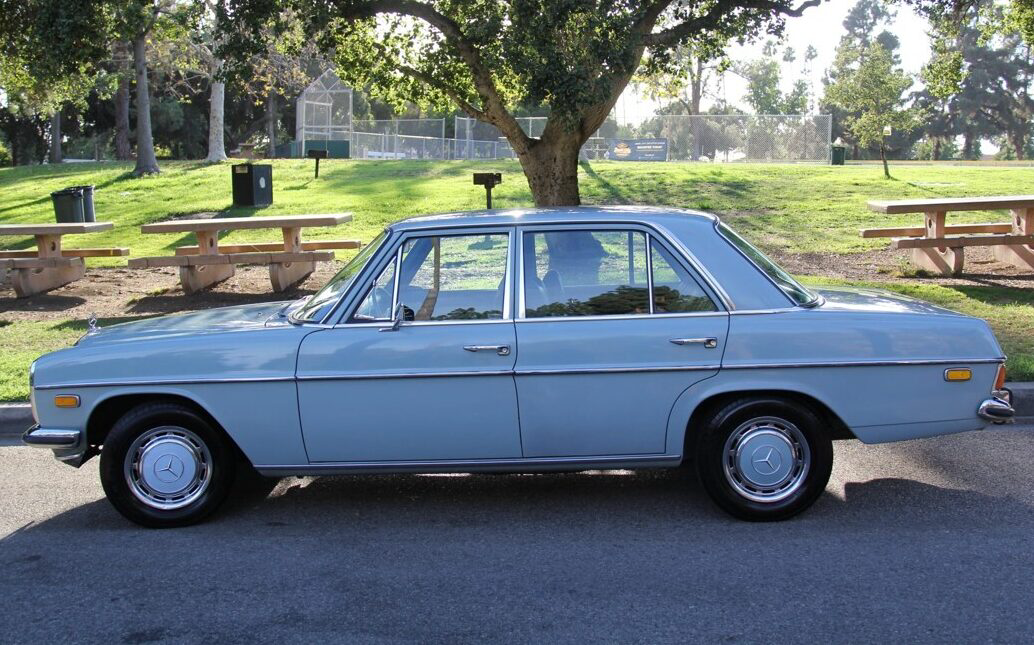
[611,501]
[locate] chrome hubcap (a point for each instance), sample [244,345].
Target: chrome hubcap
[766,459]
[168,467]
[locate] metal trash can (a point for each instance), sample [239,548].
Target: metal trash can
[252,184]
[839,155]
[88,213]
[68,205]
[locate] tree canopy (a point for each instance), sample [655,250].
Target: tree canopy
[488,56]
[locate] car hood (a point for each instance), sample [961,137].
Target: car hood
[854,299]
[224,319]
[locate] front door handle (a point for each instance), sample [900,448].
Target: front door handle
[502,350]
[709,343]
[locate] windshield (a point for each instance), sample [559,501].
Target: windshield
[320,304]
[783,280]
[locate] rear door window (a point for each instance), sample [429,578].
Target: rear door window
[605,273]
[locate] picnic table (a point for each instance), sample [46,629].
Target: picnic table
[289,262]
[50,266]
[940,247]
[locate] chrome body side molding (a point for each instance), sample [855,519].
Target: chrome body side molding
[873,363]
[474,465]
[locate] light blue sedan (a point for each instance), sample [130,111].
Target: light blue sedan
[521,341]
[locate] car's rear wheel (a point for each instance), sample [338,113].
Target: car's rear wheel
[764,459]
[163,465]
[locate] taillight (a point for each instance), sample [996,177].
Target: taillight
[1000,378]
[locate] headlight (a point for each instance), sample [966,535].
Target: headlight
[32,374]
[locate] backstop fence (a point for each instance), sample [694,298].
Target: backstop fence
[744,137]
[325,119]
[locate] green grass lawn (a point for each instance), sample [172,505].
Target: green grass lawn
[793,208]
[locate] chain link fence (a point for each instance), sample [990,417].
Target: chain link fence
[744,137]
[324,113]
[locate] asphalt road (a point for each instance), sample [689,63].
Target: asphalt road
[923,541]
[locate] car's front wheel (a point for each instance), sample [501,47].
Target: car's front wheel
[764,459]
[163,465]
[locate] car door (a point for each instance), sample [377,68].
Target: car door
[437,386]
[612,327]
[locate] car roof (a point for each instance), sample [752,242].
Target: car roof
[509,217]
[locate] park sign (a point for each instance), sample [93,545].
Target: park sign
[638,149]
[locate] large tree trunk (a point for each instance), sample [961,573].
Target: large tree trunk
[1018,139]
[55,138]
[123,148]
[883,157]
[146,161]
[551,167]
[216,103]
[967,144]
[696,94]
[271,122]
[936,148]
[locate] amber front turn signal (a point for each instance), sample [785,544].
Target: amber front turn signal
[958,374]
[66,401]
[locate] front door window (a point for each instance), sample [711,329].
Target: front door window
[460,277]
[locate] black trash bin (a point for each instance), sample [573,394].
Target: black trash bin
[839,155]
[68,205]
[252,184]
[88,214]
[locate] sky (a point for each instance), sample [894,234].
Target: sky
[820,27]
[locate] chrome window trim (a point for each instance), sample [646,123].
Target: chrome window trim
[508,230]
[326,467]
[681,314]
[679,252]
[423,323]
[649,271]
[400,375]
[394,282]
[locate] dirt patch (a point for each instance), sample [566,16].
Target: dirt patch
[887,265]
[121,292]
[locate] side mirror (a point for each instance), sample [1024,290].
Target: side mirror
[397,318]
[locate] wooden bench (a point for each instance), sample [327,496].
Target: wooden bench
[50,266]
[208,263]
[940,248]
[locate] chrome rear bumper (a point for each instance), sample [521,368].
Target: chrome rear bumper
[997,409]
[50,438]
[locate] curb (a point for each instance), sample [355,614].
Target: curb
[15,418]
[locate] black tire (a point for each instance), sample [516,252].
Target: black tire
[218,465]
[724,438]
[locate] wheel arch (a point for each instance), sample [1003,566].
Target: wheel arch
[110,409]
[709,403]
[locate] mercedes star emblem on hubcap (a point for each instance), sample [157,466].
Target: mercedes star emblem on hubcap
[168,468]
[766,460]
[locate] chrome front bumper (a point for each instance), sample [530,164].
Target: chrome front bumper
[998,409]
[50,438]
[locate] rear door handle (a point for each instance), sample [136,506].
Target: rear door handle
[502,350]
[709,343]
